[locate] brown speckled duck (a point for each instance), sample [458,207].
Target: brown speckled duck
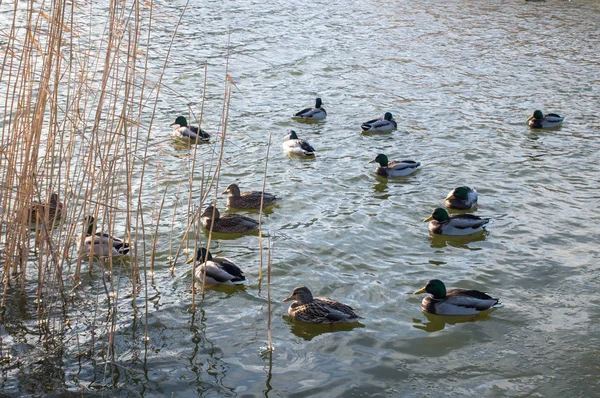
[305,308]
[229,223]
[249,199]
[40,212]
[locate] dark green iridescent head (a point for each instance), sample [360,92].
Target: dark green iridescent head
[461,193]
[538,114]
[381,159]
[181,121]
[203,255]
[91,225]
[292,135]
[318,103]
[439,215]
[388,116]
[435,287]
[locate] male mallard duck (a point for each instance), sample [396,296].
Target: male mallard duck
[38,212]
[386,124]
[455,301]
[540,121]
[461,198]
[458,224]
[319,309]
[249,199]
[316,113]
[394,168]
[192,133]
[100,244]
[229,223]
[295,146]
[218,270]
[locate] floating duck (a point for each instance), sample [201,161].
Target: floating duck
[40,212]
[305,308]
[382,125]
[455,301]
[100,244]
[191,133]
[394,168]
[540,121]
[461,198]
[295,146]
[218,270]
[229,223]
[308,114]
[458,224]
[249,199]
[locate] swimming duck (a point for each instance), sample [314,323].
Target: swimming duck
[455,301]
[249,199]
[386,124]
[100,244]
[318,309]
[316,113]
[295,146]
[394,168]
[461,198]
[458,224]
[540,121]
[229,223]
[192,133]
[37,211]
[218,270]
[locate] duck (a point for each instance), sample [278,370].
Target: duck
[293,145]
[461,198]
[308,114]
[540,121]
[100,244]
[249,199]
[216,270]
[455,301]
[307,308]
[394,168]
[53,210]
[382,125]
[229,223]
[191,133]
[457,224]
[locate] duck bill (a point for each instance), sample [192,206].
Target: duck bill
[173,124]
[428,219]
[191,260]
[288,299]
[451,196]
[530,117]
[372,161]
[422,290]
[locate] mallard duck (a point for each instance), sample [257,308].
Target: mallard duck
[249,199]
[394,168]
[457,224]
[218,270]
[100,244]
[316,113]
[295,146]
[192,133]
[540,121]
[319,309]
[455,301]
[40,212]
[461,198]
[229,223]
[386,124]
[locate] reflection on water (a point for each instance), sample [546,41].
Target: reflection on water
[435,323]
[309,331]
[438,241]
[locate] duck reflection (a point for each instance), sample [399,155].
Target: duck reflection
[435,323]
[440,241]
[309,331]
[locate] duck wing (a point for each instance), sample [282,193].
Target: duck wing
[304,112]
[201,134]
[464,221]
[404,164]
[306,147]
[119,245]
[470,299]
[221,270]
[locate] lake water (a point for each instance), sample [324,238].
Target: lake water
[460,78]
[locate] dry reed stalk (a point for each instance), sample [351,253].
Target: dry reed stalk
[262,198]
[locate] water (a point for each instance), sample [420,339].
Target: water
[460,79]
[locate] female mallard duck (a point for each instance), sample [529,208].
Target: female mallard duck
[100,244]
[394,168]
[191,133]
[540,121]
[40,212]
[458,224]
[386,124]
[218,270]
[318,309]
[229,223]
[295,146]
[248,200]
[461,198]
[308,114]
[455,301]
